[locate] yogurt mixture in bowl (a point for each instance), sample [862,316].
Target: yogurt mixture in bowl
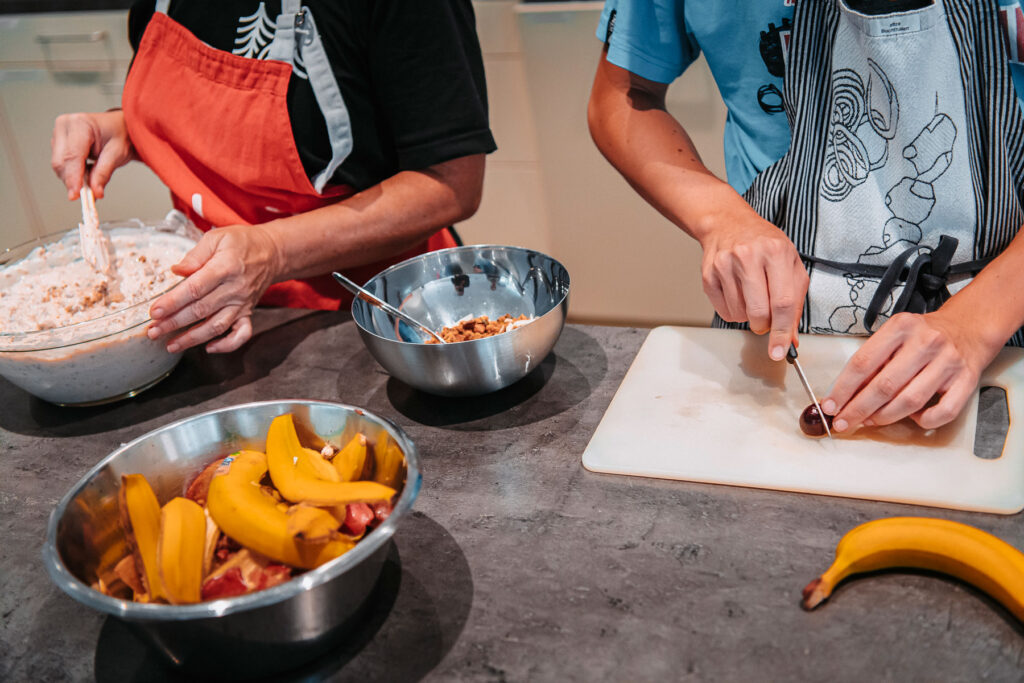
[71,336]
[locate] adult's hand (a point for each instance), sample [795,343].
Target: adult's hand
[920,366]
[752,273]
[225,274]
[77,138]
[230,268]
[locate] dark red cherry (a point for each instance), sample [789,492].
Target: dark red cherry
[811,423]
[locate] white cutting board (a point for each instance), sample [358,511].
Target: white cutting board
[707,405]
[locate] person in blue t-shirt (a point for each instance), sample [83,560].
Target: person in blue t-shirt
[875,160]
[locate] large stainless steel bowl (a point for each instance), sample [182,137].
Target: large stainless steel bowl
[256,634]
[442,287]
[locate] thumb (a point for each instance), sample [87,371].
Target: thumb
[198,256]
[103,168]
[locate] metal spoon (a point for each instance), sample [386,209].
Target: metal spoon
[384,306]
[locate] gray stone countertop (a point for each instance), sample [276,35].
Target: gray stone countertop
[517,564]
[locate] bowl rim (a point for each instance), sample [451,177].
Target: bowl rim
[464,247]
[22,340]
[137,611]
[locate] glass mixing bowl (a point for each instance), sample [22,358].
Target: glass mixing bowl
[102,359]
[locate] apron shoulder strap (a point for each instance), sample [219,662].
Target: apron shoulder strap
[297,42]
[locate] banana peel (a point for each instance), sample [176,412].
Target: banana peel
[251,517]
[389,461]
[350,461]
[958,550]
[140,518]
[309,524]
[181,550]
[284,449]
[311,463]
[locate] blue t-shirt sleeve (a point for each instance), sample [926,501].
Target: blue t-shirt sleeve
[649,38]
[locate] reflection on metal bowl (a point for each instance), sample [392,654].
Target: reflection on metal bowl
[441,288]
[255,634]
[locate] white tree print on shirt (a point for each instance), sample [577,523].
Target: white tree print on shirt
[256,33]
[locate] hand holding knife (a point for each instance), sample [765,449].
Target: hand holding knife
[791,358]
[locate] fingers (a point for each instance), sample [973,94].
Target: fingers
[194,299]
[198,256]
[895,390]
[224,326]
[192,289]
[949,406]
[77,138]
[900,370]
[762,282]
[787,284]
[915,396]
[224,278]
[111,156]
[723,292]
[861,367]
[753,283]
[241,332]
[70,146]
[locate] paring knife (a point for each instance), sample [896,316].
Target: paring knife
[792,360]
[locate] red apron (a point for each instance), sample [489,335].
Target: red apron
[214,127]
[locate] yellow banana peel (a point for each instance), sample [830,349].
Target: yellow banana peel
[181,550]
[283,450]
[312,464]
[389,461]
[350,460]
[140,517]
[249,515]
[958,550]
[309,524]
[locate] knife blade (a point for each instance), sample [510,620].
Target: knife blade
[791,358]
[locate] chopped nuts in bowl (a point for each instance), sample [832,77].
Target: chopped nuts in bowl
[446,287]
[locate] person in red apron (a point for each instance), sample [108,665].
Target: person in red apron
[290,176]
[895,211]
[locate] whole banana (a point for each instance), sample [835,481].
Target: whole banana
[959,550]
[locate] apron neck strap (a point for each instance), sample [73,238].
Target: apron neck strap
[297,42]
[162,6]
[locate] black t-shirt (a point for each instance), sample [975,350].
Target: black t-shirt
[410,73]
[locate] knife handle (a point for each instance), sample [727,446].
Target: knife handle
[791,354]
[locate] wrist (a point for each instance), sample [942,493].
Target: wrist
[273,252]
[729,210]
[982,335]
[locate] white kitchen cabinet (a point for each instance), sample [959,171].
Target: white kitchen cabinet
[52,64]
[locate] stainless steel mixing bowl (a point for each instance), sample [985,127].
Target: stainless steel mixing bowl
[443,287]
[256,634]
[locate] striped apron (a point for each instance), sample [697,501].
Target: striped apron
[906,164]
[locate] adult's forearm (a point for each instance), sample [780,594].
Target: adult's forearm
[381,221]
